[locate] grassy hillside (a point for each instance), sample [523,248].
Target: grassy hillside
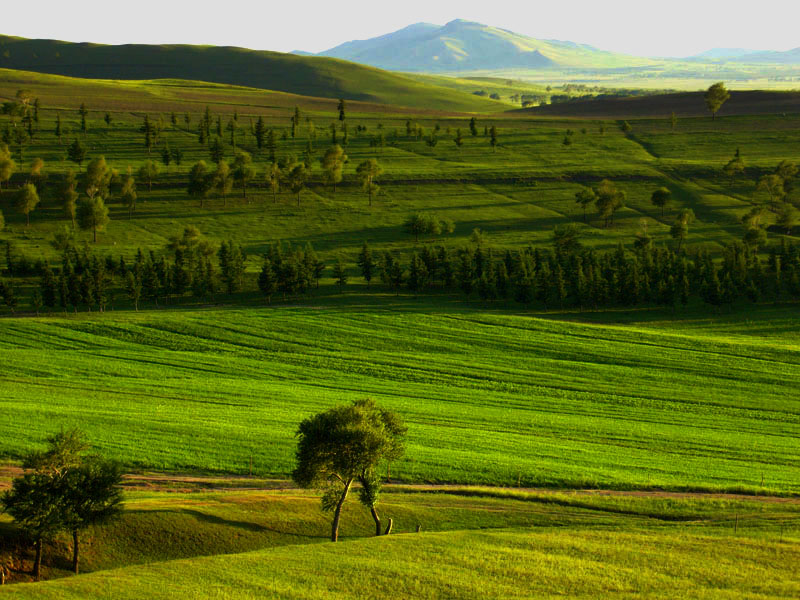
[529,528]
[513,564]
[688,104]
[305,76]
[489,397]
[516,194]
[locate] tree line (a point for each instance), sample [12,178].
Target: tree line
[567,276]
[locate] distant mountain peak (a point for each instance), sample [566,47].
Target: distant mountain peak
[463,45]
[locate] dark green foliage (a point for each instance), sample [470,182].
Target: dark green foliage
[345,444]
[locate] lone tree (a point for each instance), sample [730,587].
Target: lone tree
[680,229]
[273,175]
[367,172]
[344,444]
[200,182]
[715,97]
[76,152]
[609,199]
[297,178]
[333,163]
[660,198]
[92,214]
[91,496]
[33,505]
[148,172]
[7,165]
[27,200]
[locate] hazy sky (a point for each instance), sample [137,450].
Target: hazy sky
[641,27]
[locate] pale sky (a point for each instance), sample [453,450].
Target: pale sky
[639,27]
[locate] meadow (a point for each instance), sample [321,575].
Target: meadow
[519,400]
[473,543]
[516,194]
[489,397]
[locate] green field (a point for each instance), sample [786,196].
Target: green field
[489,397]
[494,393]
[473,543]
[516,194]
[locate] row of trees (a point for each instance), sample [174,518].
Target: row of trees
[287,173]
[567,276]
[580,278]
[64,489]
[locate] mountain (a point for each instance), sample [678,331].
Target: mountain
[304,75]
[723,53]
[790,57]
[468,46]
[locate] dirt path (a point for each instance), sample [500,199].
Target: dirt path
[185,483]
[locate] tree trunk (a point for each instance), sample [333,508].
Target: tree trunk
[37,562]
[27,219]
[389,527]
[75,551]
[298,204]
[337,513]
[377,520]
[94,233]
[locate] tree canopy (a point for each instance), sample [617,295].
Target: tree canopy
[344,444]
[715,97]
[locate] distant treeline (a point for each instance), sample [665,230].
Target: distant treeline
[580,278]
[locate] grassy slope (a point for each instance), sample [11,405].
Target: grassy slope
[489,397]
[503,87]
[306,76]
[158,526]
[509,564]
[472,186]
[685,104]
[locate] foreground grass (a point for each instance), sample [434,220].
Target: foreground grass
[489,397]
[542,533]
[508,564]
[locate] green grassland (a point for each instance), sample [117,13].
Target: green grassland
[516,545]
[489,397]
[306,76]
[492,394]
[516,194]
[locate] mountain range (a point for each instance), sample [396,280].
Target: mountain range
[463,46]
[467,46]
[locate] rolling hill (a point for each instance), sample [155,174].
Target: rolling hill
[684,104]
[790,57]
[307,76]
[467,46]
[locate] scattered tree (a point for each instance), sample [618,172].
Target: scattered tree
[368,172]
[660,198]
[715,97]
[333,164]
[148,172]
[27,200]
[92,214]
